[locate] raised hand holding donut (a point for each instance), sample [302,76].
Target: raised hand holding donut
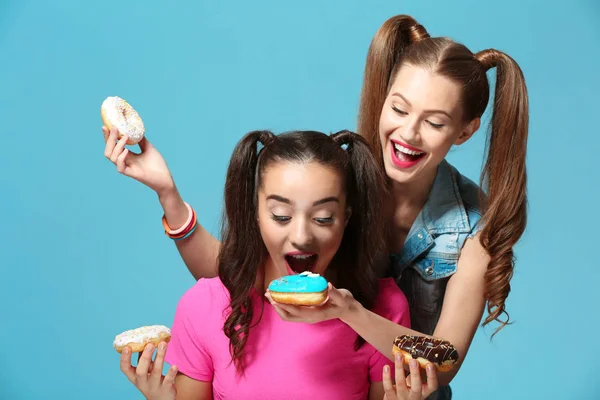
[148,166]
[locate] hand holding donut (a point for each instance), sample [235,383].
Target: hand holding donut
[148,166]
[411,387]
[338,303]
[147,376]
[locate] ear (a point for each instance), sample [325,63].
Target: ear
[468,131]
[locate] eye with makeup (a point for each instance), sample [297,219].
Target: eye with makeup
[324,220]
[282,219]
[399,111]
[435,126]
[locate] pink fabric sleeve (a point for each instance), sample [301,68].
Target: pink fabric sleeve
[187,349]
[392,305]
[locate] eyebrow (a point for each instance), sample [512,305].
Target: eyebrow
[427,111]
[282,199]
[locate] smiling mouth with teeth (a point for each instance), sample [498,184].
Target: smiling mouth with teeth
[405,154]
[300,262]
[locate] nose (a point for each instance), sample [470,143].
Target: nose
[301,235]
[410,133]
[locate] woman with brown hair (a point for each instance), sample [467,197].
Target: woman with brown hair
[450,246]
[304,202]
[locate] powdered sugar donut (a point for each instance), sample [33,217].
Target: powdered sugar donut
[138,338]
[118,113]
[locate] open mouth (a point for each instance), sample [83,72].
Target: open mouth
[299,262]
[405,156]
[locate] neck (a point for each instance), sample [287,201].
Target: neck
[409,199]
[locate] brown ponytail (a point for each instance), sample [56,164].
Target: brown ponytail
[238,266]
[365,230]
[504,177]
[401,40]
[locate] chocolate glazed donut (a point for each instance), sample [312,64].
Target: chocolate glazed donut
[440,353]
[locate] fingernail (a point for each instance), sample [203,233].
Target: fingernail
[430,367]
[398,357]
[174,367]
[386,368]
[413,363]
[126,351]
[162,346]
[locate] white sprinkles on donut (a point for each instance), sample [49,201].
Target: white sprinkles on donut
[124,118]
[140,335]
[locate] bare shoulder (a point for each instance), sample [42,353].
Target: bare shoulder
[473,259]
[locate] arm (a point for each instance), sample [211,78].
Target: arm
[200,250]
[376,391]
[463,307]
[191,389]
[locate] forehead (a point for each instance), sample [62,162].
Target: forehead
[303,181]
[426,89]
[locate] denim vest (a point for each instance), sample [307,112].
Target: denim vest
[431,249]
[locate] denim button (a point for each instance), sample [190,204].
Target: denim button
[429,270]
[420,236]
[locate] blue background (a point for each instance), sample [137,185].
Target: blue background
[82,253]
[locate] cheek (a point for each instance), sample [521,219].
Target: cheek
[385,124]
[330,239]
[271,235]
[438,143]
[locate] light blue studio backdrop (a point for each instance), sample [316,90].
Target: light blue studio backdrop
[82,252]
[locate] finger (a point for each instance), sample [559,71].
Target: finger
[126,367]
[111,142]
[141,372]
[170,377]
[432,380]
[283,314]
[388,385]
[105,132]
[401,386]
[121,161]
[118,149]
[334,295]
[415,377]
[144,144]
[157,367]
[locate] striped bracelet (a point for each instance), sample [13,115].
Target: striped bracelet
[186,229]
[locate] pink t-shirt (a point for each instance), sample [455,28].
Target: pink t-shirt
[282,359]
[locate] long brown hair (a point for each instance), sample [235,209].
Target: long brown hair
[402,40]
[243,251]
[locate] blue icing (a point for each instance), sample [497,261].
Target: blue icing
[305,282]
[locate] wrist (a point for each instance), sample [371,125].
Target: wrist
[168,194]
[353,313]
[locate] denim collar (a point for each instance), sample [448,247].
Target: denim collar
[444,212]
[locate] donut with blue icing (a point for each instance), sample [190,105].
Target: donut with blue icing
[305,289]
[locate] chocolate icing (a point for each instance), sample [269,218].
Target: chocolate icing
[436,351]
